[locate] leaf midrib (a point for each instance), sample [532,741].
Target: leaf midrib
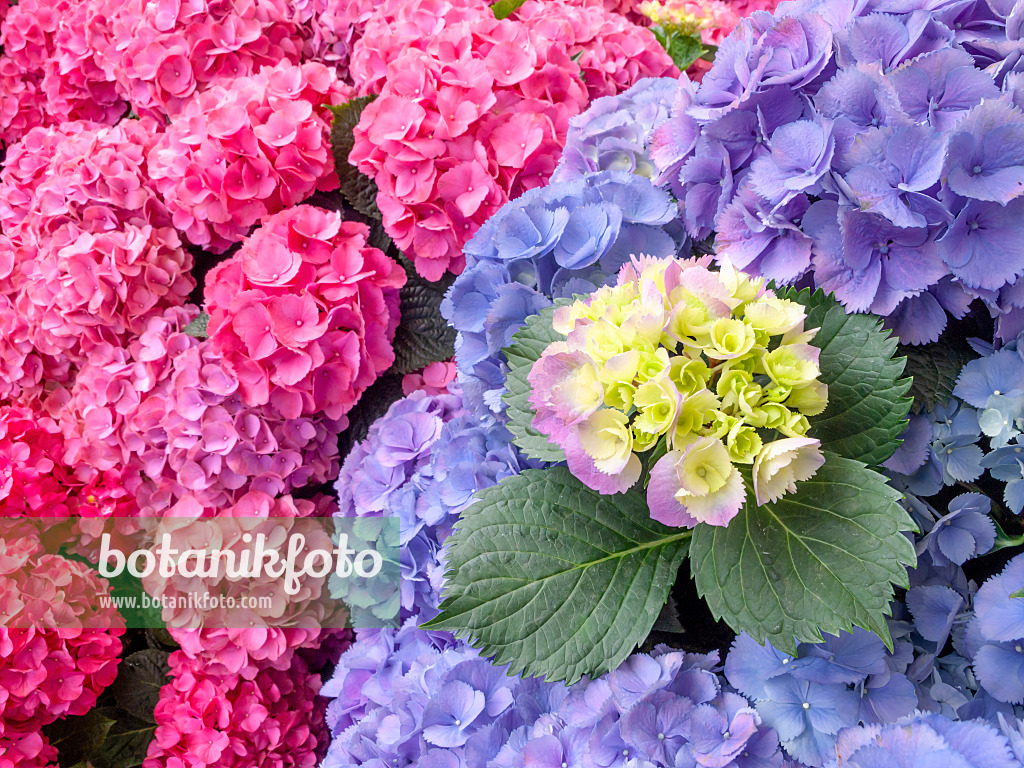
[540,581]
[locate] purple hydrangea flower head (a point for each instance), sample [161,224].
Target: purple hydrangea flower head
[808,715]
[658,725]
[719,734]
[827,686]
[801,153]
[760,239]
[986,153]
[934,608]
[1000,616]
[613,133]
[875,145]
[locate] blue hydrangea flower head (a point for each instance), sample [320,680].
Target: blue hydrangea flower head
[997,634]
[924,740]
[553,242]
[966,532]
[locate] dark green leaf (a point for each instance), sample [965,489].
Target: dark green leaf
[710,51]
[867,402]
[527,345]
[934,368]
[556,579]
[820,560]
[76,738]
[359,190]
[126,743]
[505,8]
[423,336]
[197,327]
[139,679]
[682,49]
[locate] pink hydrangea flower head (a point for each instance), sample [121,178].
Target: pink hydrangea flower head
[25,746]
[613,52]
[59,647]
[330,30]
[206,717]
[168,417]
[53,70]
[163,53]
[243,636]
[305,312]
[474,111]
[33,480]
[92,250]
[245,148]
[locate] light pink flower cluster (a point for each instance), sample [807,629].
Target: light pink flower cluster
[205,718]
[167,416]
[433,379]
[46,673]
[164,51]
[613,52]
[245,148]
[473,111]
[92,253]
[305,312]
[52,70]
[397,25]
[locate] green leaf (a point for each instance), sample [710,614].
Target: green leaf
[423,336]
[76,738]
[556,579]
[867,402]
[139,679]
[682,49]
[1018,593]
[527,345]
[1005,540]
[505,8]
[126,743]
[935,368]
[359,190]
[820,560]
[198,326]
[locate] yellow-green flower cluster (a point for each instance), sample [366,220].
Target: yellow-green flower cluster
[711,363]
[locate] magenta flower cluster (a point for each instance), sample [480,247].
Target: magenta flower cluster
[271,717]
[55,68]
[168,414]
[474,112]
[305,312]
[246,148]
